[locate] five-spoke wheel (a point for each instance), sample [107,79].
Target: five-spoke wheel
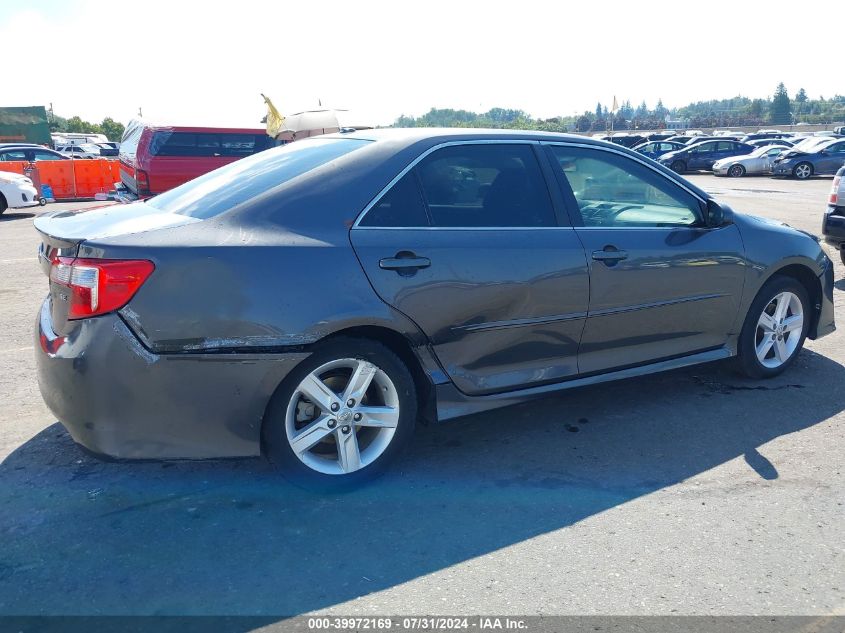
[775,328]
[802,171]
[341,415]
[779,330]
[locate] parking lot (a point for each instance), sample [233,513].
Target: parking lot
[688,492]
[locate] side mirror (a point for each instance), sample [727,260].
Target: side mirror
[716,215]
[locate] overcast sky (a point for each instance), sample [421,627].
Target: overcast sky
[207,62]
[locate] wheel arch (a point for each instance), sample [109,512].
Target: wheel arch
[396,342]
[804,275]
[402,346]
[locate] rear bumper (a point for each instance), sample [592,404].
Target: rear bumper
[826,323]
[119,400]
[833,226]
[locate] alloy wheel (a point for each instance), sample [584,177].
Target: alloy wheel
[736,171]
[803,171]
[342,416]
[779,330]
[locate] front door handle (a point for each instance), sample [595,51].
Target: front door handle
[405,263]
[610,255]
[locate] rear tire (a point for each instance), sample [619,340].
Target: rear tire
[340,417]
[775,328]
[3,204]
[802,171]
[842,255]
[679,167]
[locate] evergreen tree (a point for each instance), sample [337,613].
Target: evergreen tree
[780,111]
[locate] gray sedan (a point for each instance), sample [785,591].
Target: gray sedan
[757,162]
[311,303]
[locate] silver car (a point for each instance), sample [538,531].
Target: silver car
[757,162]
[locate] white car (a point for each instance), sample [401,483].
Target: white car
[757,162]
[85,150]
[17,191]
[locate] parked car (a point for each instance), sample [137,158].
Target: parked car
[16,192]
[85,150]
[819,160]
[833,224]
[764,134]
[779,142]
[806,144]
[156,159]
[107,149]
[702,155]
[757,162]
[660,136]
[627,140]
[655,149]
[683,139]
[336,317]
[29,153]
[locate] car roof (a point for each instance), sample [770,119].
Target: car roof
[411,136]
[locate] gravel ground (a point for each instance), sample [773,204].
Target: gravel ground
[689,492]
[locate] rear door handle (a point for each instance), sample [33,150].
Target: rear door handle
[610,255]
[399,263]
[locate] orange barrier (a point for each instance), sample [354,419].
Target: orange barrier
[76,178]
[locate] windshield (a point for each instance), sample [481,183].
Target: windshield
[762,151]
[229,186]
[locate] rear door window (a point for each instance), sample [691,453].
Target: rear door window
[485,185]
[401,206]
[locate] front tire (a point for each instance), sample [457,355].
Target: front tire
[736,171]
[802,171]
[341,416]
[842,255]
[679,167]
[775,328]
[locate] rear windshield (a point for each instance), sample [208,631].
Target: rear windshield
[206,144]
[233,184]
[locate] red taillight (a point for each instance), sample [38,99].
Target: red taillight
[98,286]
[834,192]
[142,181]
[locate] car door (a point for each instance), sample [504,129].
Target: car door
[661,284]
[832,158]
[469,245]
[702,156]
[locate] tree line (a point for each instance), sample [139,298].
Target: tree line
[779,109]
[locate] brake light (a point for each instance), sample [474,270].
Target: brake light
[142,181]
[834,192]
[98,286]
